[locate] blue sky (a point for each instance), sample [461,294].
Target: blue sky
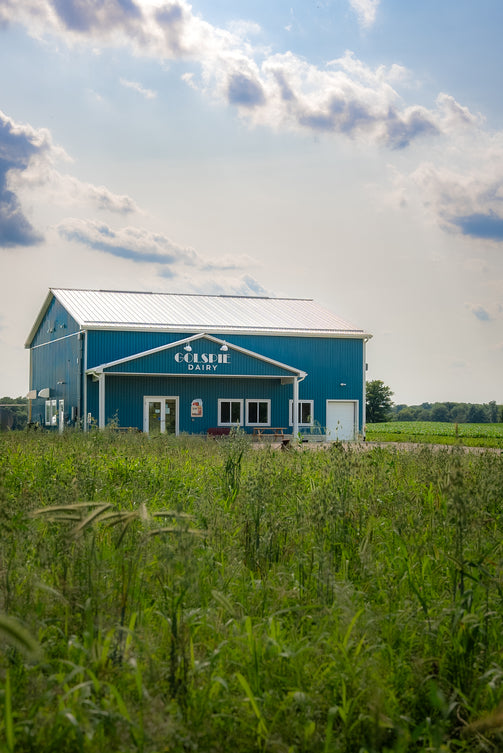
[350,151]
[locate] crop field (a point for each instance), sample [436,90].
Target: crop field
[180,594]
[469,435]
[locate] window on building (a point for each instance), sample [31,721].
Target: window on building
[258,412]
[306,412]
[51,412]
[230,412]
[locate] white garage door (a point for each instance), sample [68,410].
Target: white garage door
[341,419]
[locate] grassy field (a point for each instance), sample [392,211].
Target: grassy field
[469,435]
[189,595]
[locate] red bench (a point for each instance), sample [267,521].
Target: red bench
[219,431]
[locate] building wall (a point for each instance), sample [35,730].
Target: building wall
[56,362]
[124,398]
[335,370]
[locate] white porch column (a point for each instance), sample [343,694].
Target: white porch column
[295,407]
[101,404]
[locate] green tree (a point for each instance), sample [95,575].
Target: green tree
[492,410]
[459,413]
[13,412]
[440,412]
[378,403]
[476,414]
[407,414]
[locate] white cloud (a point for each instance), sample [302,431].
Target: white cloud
[366,11]
[66,190]
[223,285]
[146,247]
[230,263]
[137,244]
[21,146]
[276,91]
[27,163]
[346,98]
[466,199]
[244,29]
[135,86]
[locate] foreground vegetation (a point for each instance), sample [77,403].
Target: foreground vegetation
[468,435]
[192,595]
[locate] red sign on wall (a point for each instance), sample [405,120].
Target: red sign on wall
[196,408]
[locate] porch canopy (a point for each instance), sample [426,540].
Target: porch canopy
[199,355]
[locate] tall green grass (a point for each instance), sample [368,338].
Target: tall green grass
[179,594]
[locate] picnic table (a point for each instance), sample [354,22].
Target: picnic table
[269,431]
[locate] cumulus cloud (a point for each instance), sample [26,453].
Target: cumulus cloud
[229,263]
[252,285]
[101,196]
[77,17]
[133,243]
[19,147]
[275,91]
[245,90]
[67,190]
[366,11]
[245,285]
[344,98]
[468,200]
[27,164]
[135,86]
[146,247]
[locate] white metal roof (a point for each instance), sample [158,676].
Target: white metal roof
[109,309]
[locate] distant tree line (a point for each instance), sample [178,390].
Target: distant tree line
[380,407]
[13,413]
[456,413]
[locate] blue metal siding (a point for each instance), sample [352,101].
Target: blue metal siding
[55,357]
[56,323]
[334,366]
[57,365]
[110,345]
[205,357]
[124,398]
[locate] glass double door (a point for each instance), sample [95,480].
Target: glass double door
[160,415]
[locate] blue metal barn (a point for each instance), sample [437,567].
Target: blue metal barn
[193,363]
